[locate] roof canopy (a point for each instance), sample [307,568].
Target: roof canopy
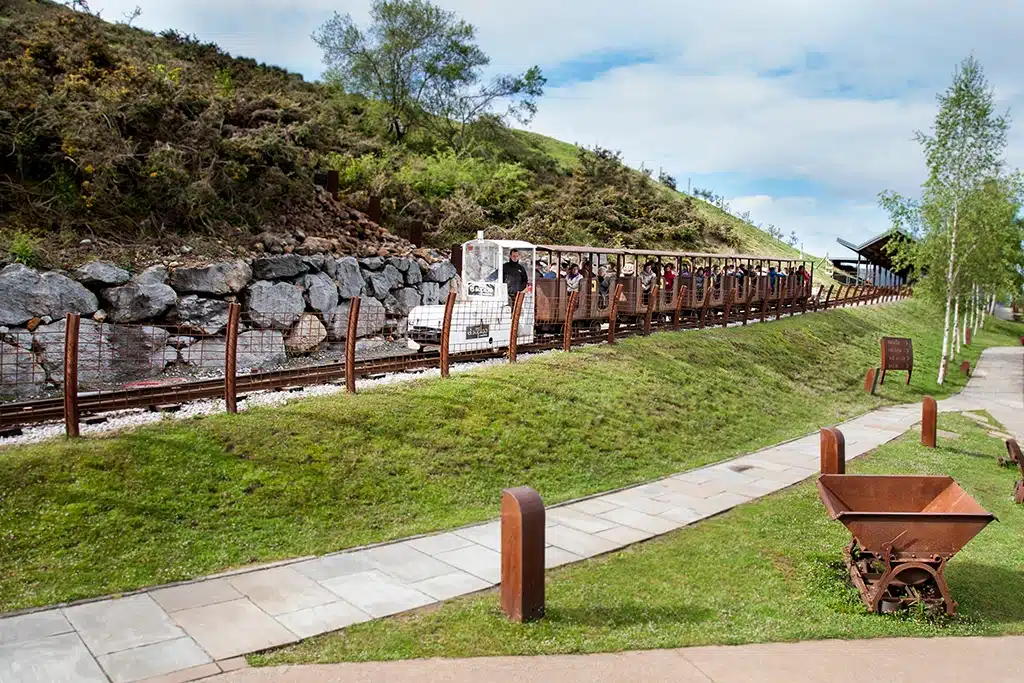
[875,250]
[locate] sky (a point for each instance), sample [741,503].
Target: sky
[798,111]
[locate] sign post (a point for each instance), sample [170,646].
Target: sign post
[897,354]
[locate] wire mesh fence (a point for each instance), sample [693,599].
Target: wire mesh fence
[70,368]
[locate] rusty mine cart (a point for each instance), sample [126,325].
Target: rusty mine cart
[905,529]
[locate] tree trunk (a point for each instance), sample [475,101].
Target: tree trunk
[944,361]
[956,328]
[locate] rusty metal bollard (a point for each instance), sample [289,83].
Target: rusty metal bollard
[965,368]
[833,451]
[929,421]
[522,554]
[871,381]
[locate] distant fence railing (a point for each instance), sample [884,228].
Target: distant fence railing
[75,370]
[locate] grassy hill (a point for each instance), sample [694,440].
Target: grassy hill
[145,144]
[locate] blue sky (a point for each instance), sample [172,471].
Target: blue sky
[799,111]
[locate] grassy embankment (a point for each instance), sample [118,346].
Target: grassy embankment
[766,571]
[184,499]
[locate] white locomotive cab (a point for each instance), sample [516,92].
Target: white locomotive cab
[482,316]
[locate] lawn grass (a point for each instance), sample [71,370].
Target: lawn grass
[185,499]
[766,571]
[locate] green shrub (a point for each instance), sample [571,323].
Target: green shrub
[24,248]
[500,188]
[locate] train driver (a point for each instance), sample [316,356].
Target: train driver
[515,276]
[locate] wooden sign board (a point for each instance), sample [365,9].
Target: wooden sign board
[897,354]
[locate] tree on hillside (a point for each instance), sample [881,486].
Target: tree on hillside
[422,63]
[964,200]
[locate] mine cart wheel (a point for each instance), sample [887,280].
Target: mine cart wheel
[891,578]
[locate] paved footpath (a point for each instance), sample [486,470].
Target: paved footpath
[202,628]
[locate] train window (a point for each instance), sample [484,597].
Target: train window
[482,261]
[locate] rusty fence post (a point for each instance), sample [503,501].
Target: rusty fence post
[652,301]
[782,300]
[871,381]
[71,328]
[708,291]
[929,422]
[446,331]
[522,554]
[513,333]
[832,451]
[231,359]
[613,313]
[965,368]
[333,178]
[751,291]
[351,333]
[570,311]
[728,307]
[679,307]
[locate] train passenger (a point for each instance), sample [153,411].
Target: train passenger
[587,270]
[773,276]
[685,270]
[552,273]
[573,279]
[647,277]
[604,286]
[515,276]
[669,277]
[804,275]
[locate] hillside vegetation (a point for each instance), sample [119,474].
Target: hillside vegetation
[180,500]
[144,144]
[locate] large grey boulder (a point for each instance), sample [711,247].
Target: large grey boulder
[431,292]
[321,292]
[394,276]
[207,315]
[278,267]
[101,274]
[108,355]
[414,275]
[228,277]
[370,322]
[20,375]
[402,302]
[349,277]
[154,275]
[256,349]
[440,272]
[138,301]
[401,263]
[330,265]
[25,294]
[306,336]
[275,306]
[373,263]
[378,285]
[315,263]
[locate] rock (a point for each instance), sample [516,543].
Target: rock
[395,276]
[180,342]
[431,293]
[139,300]
[440,272]
[314,262]
[378,285]
[371,320]
[155,275]
[207,315]
[46,320]
[228,277]
[316,245]
[256,349]
[33,323]
[25,294]
[101,274]
[374,263]
[414,275]
[20,375]
[349,277]
[442,292]
[402,264]
[321,292]
[86,242]
[99,316]
[402,302]
[330,266]
[306,335]
[275,305]
[278,267]
[108,355]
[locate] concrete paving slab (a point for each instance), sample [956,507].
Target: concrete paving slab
[682,515]
[625,535]
[323,619]
[581,521]
[56,659]
[281,590]
[488,535]
[377,594]
[230,629]
[150,661]
[593,506]
[439,543]
[194,673]
[333,566]
[479,561]
[33,626]
[721,502]
[578,542]
[556,557]
[405,563]
[114,625]
[451,585]
[643,521]
[197,594]
[638,503]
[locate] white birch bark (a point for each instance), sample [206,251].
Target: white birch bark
[956,328]
[944,361]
